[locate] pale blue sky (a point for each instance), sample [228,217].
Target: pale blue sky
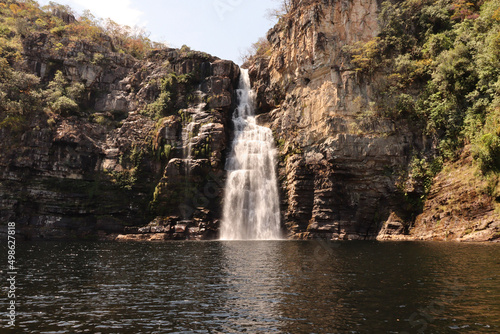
[223,28]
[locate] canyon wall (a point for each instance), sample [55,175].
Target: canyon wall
[338,154]
[113,143]
[344,162]
[121,161]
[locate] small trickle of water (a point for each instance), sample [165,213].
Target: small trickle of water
[190,123]
[251,200]
[190,128]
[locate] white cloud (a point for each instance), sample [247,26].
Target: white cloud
[120,11]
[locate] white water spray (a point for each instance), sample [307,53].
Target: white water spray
[251,200]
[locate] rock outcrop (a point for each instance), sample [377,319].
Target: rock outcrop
[142,153]
[122,160]
[346,166]
[458,207]
[339,155]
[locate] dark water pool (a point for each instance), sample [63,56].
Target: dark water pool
[255,287]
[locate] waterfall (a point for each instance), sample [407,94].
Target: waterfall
[189,130]
[251,201]
[191,122]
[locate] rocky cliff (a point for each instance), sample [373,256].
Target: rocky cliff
[457,208]
[372,105]
[349,168]
[338,153]
[145,141]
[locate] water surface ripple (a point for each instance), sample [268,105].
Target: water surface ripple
[257,287]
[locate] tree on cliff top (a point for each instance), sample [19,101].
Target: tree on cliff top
[22,18]
[261,48]
[283,8]
[57,31]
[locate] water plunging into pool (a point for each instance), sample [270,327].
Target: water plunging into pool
[251,200]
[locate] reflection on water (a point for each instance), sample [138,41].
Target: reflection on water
[255,283]
[257,287]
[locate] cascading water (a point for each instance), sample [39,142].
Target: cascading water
[251,200]
[190,128]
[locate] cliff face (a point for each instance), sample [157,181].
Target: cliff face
[96,141]
[458,206]
[121,160]
[349,169]
[339,155]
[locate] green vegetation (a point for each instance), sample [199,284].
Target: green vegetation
[420,173]
[442,65]
[24,17]
[168,100]
[365,56]
[486,144]
[23,96]
[42,53]
[162,151]
[127,178]
[62,97]
[124,179]
[19,96]
[286,151]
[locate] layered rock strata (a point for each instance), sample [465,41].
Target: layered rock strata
[116,164]
[457,208]
[339,154]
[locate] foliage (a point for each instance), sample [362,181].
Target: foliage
[160,106]
[165,154]
[132,162]
[283,8]
[124,179]
[365,56]
[442,60]
[415,182]
[168,86]
[261,48]
[23,96]
[24,17]
[424,171]
[486,145]
[19,96]
[62,97]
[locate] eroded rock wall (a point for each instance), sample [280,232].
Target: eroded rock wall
[459,207]
[107,168]
[339,154]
